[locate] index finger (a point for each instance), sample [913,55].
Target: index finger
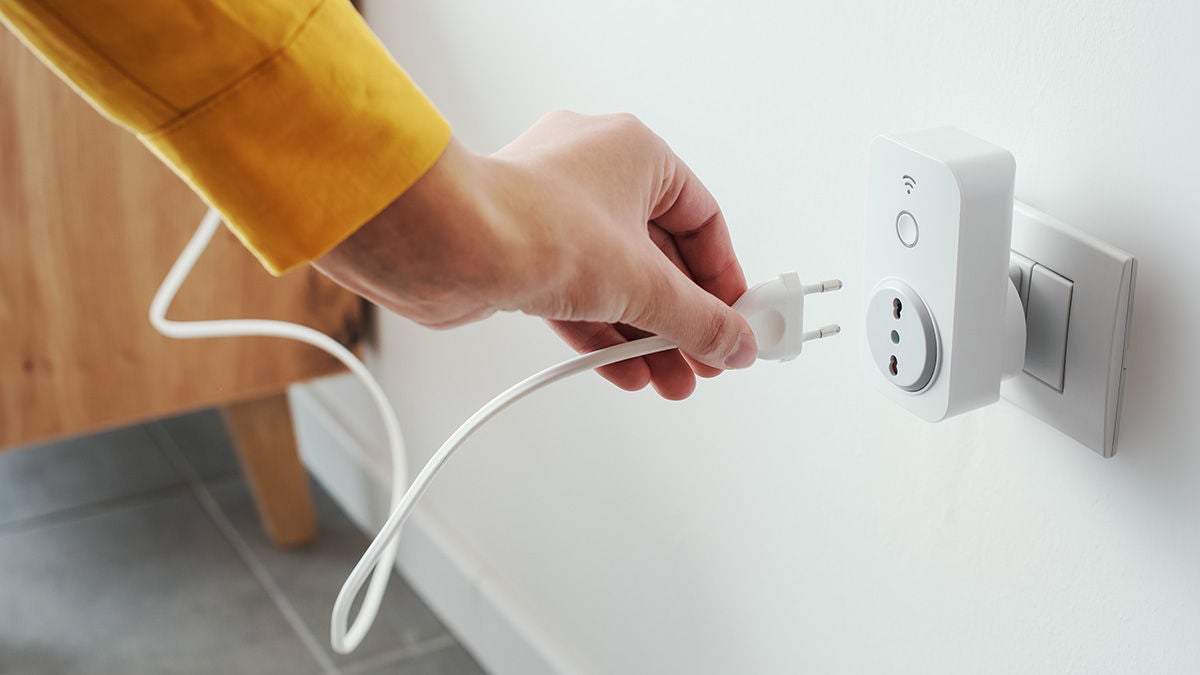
[691,215]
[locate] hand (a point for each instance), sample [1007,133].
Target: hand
[589,222]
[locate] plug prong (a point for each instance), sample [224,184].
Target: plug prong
[823,287]
[823,332]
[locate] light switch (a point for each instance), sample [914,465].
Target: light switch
[1047,317]
[1020,269]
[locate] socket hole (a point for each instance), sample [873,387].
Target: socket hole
[895,337]
[893,366]
[896,307]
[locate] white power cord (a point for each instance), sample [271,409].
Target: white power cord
[343,641]
[773,309]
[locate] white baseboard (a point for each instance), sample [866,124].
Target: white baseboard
[503,637]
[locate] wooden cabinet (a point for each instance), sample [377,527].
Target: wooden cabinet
[90,221]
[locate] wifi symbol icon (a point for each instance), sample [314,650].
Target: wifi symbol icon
[910,184]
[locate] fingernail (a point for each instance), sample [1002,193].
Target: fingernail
[743,354]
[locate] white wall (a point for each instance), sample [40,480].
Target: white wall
[788,519]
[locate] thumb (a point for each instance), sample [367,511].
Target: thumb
[703,327]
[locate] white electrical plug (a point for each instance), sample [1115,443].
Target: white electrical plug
[775,311]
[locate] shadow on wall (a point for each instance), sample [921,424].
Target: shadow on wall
[1157,448]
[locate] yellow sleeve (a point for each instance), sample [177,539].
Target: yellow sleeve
[288,116]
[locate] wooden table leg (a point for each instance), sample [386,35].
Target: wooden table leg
[266,445]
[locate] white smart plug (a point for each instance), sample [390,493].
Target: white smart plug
[944,324]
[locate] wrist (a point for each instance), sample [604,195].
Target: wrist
[439,238]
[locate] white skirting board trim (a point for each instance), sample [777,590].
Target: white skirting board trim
[503,637]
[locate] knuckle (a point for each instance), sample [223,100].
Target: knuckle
[628,123]
[558,115]
[630,378]
[628,118]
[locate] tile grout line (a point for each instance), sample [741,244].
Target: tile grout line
[401,654]
[162,439]
[82,512]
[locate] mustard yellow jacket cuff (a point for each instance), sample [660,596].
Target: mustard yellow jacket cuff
[288,116]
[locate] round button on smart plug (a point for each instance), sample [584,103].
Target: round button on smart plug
[906,229]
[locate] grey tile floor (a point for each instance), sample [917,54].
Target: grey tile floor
[139,551]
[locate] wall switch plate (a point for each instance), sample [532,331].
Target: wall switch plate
[1097,280]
